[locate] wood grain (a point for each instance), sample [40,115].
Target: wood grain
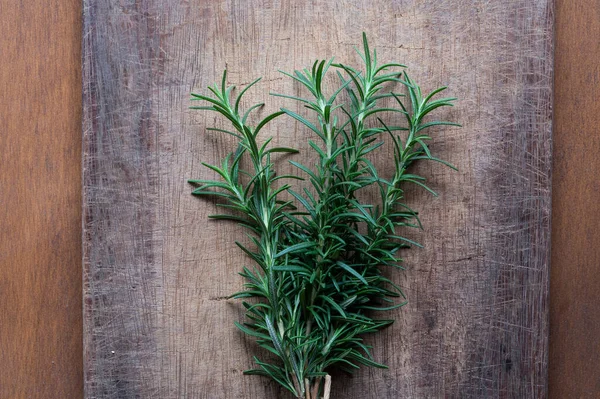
[40,197]
[156,271]
[575,277]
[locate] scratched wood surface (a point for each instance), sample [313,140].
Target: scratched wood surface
[156,272]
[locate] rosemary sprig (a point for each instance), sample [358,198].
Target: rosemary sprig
[318,278]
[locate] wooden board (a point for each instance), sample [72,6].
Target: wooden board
[156,271]
[575,279]
[40,200]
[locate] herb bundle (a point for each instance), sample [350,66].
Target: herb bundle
[316,282]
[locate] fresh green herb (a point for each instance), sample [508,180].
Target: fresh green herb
[318,252]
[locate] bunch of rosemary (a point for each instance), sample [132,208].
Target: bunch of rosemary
[318,252]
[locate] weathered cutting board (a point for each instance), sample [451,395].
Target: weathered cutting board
[157,272]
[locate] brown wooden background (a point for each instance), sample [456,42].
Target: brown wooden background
[40,250]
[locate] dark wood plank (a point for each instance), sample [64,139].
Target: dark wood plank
[156,270]
[575,277]
[40,197]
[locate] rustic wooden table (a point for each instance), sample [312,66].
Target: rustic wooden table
[156,271]
[40,190]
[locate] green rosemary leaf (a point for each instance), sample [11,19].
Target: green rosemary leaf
[250,332]
[352,271]
[304,122]
[395,237]
[259,372]
[367,362]
[307,206]
[252,108]
[290,97]
[283,149]
[239,97]
[418,183]
[288,268]
[334,305]
[384,307]
[294,248]
[277,374]
[436,123]
[266,120]
[433,93]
